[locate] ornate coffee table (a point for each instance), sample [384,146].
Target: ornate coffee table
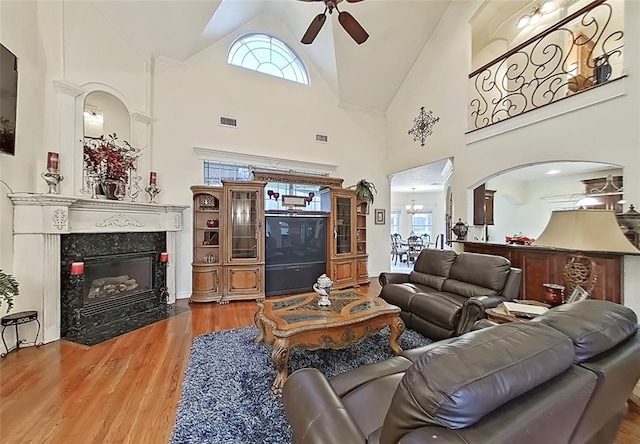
[297,320]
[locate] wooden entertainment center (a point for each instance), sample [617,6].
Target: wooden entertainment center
[229,231]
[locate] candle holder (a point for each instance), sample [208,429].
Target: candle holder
[134,188]
[53,179]
[152,190]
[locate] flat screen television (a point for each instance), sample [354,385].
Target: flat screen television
[8,100]
[295,240]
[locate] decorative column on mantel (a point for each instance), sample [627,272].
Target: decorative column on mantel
[40,220]
[68,120]
[141,139]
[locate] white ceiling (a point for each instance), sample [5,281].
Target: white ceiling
[539,171]
[425,179]
[431,177]
[367,75]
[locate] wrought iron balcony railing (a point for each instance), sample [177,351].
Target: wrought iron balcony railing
[582,51]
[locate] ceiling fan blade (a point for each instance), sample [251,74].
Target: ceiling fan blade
[314,29]
[352,27]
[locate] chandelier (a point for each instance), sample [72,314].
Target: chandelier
[423,126]
[414,208]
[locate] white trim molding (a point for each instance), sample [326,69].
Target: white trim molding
[263,161]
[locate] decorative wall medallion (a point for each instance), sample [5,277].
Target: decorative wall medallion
[59,219]
[177,221]
[423,126]
[119,220]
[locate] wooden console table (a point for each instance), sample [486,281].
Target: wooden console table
[541,265]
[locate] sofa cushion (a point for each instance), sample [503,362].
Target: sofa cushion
[466,289]
[435,262]
[593,325]
[438,307]
[457,384]
[429,280]
[481,270]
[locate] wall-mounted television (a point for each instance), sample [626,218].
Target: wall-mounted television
[8,100]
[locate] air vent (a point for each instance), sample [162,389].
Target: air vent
[322,138]
[228,121]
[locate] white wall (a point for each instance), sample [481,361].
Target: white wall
[19,32]
[604,132]
[276,118]
[525,206]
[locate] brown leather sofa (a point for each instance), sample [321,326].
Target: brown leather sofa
[561,379]
[446,293]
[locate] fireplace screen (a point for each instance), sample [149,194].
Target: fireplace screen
[117,276]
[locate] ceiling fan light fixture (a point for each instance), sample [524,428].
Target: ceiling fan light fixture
[548,6]
[523,22]
[346,20]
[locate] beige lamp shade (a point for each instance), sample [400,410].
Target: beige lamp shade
[585,230]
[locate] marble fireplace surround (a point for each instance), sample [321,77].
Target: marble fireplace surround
[40,219]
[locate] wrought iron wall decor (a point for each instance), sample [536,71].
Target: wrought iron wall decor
[423,126]
[577,53]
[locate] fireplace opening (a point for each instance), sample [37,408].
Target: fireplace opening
[117,276]
[123,286]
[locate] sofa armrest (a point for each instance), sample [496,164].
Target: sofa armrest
[473,309]
[393,278]
[315,412]
[511,288]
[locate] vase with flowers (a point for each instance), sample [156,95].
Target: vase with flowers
[108,162]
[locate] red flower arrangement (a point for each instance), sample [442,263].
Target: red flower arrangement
[109,158]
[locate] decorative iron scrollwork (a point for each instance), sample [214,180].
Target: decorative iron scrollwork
[577,53]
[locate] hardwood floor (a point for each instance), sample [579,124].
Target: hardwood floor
[124,390]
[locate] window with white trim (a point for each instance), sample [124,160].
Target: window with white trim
[422,223]
[394,222]
[268,55]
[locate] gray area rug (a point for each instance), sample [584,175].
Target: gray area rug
[226,395]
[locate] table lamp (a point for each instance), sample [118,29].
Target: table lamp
[584,231]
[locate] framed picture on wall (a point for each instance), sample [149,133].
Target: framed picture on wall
[380,217]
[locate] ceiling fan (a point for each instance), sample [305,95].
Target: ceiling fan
[347,21]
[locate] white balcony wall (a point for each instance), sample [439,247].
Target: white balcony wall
[606,131]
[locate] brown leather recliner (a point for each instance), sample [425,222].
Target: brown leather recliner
[446,293]
[561,379]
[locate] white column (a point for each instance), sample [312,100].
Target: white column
[171,269]
[67,144]
[141,139]
[50,317]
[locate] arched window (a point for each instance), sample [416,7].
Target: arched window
[268,55]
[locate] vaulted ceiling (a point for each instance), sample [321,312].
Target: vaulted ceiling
[366,76]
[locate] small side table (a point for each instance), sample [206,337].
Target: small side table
[16,319]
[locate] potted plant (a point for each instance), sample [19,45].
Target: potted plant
[8,289]
[365,190]
[110,161]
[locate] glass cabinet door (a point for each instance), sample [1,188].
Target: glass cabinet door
[343,225]
[244,224]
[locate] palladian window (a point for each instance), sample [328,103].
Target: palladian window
[268,55]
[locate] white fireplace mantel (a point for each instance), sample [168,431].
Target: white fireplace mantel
[40,219]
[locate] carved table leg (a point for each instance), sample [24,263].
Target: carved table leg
[280,358]
[257,318]
[397,328]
